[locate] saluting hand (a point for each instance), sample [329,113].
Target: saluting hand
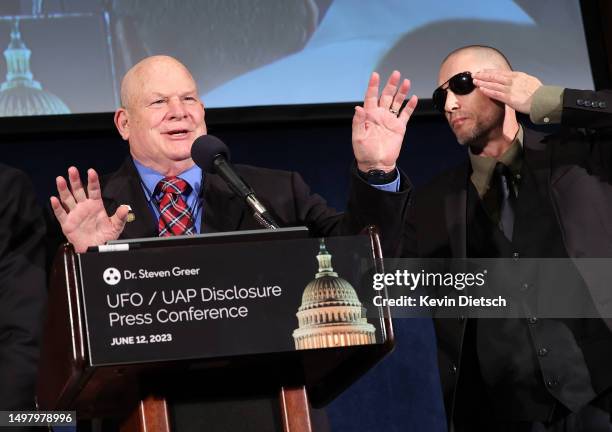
[515,89]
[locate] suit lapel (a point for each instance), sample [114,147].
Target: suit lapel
[222,208]
[455,210]
[537,156]
[124,187]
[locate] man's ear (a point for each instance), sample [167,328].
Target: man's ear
[122,123]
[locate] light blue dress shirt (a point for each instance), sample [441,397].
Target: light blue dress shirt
[150,178]
[390,187]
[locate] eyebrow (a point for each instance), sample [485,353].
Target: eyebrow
[163,95]
[190,92]
[155,95]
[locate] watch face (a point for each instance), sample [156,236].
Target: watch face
[378,177]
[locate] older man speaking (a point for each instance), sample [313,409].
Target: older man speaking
[165,193]
[161,116]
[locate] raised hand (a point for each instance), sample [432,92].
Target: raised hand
[515,89]
[81,213]
[379,126]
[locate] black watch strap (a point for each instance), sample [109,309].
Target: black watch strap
[378,177]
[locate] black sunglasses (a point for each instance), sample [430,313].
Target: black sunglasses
[460,84]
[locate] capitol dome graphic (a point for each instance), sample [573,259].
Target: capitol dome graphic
[331,314]
[20,94]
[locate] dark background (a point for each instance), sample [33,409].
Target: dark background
[402,393]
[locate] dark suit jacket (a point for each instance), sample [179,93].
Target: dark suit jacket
[284,194]
[572,169]
[22,289]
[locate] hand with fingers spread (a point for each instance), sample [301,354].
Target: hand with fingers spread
[379,126]
[515,89]
[81,213]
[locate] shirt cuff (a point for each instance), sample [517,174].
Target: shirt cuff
[547,105]
[394,186]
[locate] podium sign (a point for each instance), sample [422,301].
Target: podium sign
[207,301]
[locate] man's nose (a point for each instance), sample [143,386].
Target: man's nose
[452,103]
[176,108]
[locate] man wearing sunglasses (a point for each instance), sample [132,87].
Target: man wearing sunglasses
[521,194]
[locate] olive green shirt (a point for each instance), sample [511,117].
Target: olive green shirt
[546,108]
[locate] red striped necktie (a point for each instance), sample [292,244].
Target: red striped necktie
[174,215]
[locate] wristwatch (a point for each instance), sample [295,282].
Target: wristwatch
[378,177]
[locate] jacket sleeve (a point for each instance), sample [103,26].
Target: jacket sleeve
[587,109]
[22,289]
[366,206]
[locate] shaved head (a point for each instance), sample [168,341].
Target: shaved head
[481,54]
[135,79]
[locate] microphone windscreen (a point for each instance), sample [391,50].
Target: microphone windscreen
[205,149]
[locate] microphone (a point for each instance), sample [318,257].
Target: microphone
[212,155]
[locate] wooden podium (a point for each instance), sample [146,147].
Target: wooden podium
[115,345]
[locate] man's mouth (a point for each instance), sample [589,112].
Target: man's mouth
[178,133]
[458,121]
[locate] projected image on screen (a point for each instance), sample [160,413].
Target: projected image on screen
[68,56]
